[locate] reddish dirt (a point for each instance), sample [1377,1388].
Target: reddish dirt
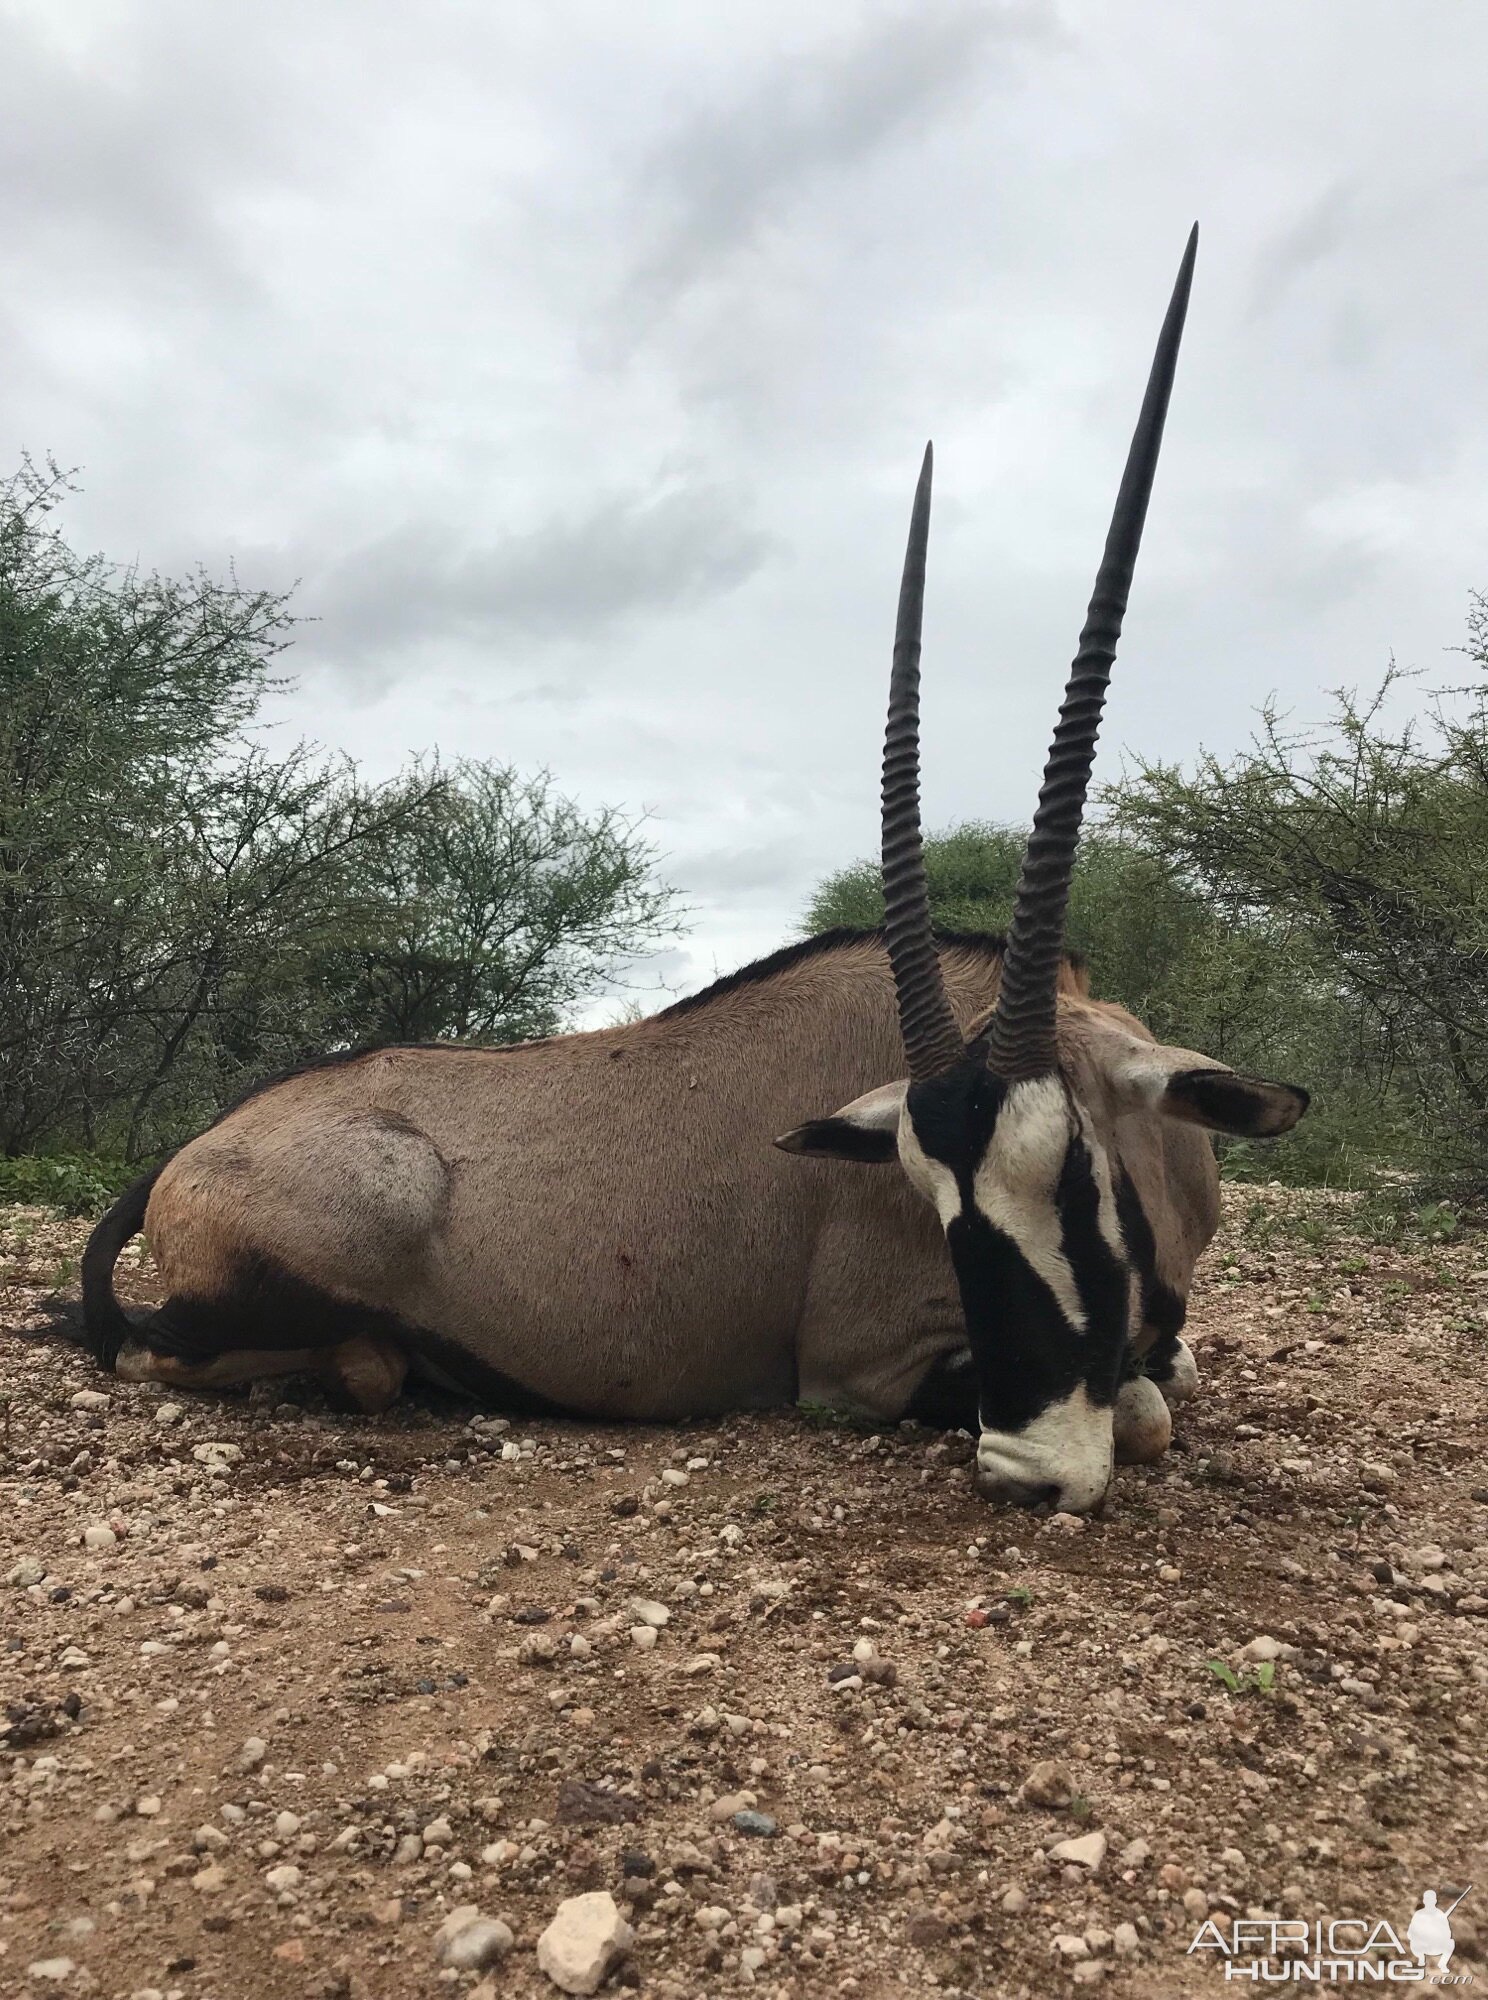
[426,1623]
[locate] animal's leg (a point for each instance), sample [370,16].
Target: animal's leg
[365,1372]
[138,1363]
[1142,1422]
[1170,1364]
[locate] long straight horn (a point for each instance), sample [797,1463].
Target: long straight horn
[1020,1040]
[932,1041]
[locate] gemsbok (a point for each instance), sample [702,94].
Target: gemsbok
[1056,1141]
[598,1224]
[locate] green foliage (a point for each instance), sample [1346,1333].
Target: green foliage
[1314,910]
[1361,854]
[75,1183]
[182,910]
[504,902]
[1254,1680]
[1154,942]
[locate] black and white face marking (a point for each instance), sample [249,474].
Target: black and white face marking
[1024,1192]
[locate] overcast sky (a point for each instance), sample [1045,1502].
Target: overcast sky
[578,358]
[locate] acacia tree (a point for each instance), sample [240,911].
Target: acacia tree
[181,911]
[1366,847]
[113,687]
[506,903]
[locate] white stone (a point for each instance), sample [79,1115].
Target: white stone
[649,1612]
[643,1637]
[1088,1850]
[470,1941]
[252,1754]
[91,1399]
[286,1876]
[1263,1647]
[586,1939]
[1070,1946]
[1125,1940]
[55,1970]
[26,1572]
[169,1413]
[98,1536]
[215,1452]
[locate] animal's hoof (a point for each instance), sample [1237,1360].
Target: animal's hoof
[1182,1378]
[1143,1422]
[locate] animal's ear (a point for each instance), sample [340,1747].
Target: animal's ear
[1177,1083]
[1248,1107]
[865,1130]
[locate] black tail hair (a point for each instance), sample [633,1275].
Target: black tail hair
[106,1325]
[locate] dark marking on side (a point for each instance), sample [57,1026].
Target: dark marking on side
[269,1307]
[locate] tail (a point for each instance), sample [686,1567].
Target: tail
[106,1325]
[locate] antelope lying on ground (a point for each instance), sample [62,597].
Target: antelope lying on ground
[597,1223]
[1057,1141]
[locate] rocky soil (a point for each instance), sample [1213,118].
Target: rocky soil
[294,1703]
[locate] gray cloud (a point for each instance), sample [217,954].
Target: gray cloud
[574,577]
[731,169]
[579,362]
[1316,233]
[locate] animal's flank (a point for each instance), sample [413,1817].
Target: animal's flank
[106,1326]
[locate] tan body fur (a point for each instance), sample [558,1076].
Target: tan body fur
[602,1217]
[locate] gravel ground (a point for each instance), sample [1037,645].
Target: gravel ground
[285,1689]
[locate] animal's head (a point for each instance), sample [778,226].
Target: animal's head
[1011,1135]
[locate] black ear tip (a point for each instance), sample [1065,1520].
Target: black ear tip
[1294,1113]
